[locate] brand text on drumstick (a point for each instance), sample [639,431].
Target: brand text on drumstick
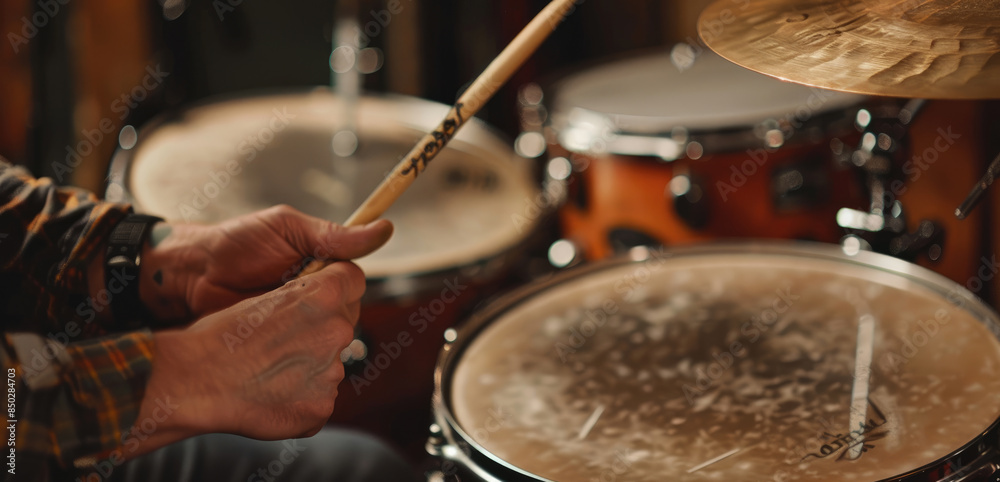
[441,137]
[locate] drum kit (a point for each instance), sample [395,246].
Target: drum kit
[828,355]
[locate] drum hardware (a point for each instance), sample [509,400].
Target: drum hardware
[531,142]
[800,185]
[640,129]
[979,191]
[349,63]
[689,195]
[622,240]
[884,225]
[564,253]
[933,49]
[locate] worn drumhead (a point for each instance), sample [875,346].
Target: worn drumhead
[277,149]
[652,95]
[717,365]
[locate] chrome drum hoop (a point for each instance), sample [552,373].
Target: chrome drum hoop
[450,442]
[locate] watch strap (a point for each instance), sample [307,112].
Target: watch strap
[122,265]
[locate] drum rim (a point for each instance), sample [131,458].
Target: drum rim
[716,140]
[472,326]
[380,287]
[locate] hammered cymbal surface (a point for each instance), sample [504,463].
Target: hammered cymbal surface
[935,49]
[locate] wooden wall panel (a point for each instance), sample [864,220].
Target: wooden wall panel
[112,50]
[15,81]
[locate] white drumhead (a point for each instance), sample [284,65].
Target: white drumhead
[729,366]
[225,159]
[651,95]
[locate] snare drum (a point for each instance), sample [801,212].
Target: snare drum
[672,153]
[454,235]
[785,362]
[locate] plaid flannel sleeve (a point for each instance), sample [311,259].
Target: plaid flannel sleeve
[48,235]
[74,397]
[73,404]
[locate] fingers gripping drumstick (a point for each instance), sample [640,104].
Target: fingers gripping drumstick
[484,87]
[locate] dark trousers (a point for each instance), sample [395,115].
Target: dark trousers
[331,455]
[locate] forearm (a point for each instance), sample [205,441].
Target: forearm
[169,411]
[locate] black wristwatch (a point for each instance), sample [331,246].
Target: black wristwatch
[122,263]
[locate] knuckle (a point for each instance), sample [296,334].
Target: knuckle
[281,210]
[343,334]
[344,281]
[337,374]
[353,312]
[328,301]
[353,281]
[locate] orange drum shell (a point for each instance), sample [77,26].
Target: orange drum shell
[633,192]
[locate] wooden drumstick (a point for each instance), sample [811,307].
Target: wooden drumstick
[480,92]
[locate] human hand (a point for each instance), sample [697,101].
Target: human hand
[266,368]
[190,270]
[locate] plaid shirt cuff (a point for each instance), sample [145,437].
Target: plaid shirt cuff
[107,378]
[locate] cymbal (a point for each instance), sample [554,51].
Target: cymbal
[934,49]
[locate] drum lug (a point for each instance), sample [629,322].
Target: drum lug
[799,186]
[688,195]
[438,476]
[557,179]
[928,239]
[435,441]
[984,468]
[531,142]
[626,240]
[564,253]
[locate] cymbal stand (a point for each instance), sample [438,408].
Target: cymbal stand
[883,228]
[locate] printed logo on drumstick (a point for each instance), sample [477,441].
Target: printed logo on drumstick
[433,145]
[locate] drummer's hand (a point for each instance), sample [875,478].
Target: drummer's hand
[266,368]
[190,270]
